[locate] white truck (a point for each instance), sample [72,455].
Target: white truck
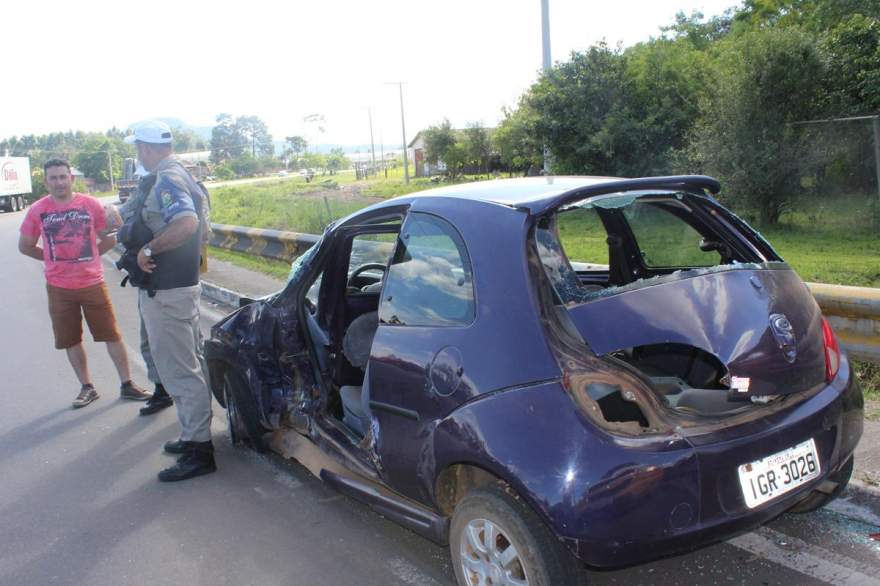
[15,183]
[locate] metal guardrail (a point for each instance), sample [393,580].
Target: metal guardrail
[274,244]
[853,312]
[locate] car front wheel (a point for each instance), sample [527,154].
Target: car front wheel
[495,538]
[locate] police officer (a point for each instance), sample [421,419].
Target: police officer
[169,304]
[116,215]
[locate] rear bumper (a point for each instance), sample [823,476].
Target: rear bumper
[717,509]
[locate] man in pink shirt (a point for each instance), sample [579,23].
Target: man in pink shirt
[70,225]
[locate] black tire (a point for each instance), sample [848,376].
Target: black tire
[241,413]
[816,500]
[21,204]
[539,559]
[13,204]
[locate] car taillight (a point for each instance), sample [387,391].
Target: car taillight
[832,351]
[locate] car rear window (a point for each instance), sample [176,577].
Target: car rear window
[666,240]
[593,247]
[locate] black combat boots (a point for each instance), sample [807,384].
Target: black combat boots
[160,400]
[197,459]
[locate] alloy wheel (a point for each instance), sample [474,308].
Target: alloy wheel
[489,557]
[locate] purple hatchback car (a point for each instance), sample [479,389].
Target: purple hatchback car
[549,372]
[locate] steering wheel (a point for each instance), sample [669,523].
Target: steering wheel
[370,266]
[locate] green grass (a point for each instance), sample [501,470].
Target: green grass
[285,205]
[297,206]
[869,377]
[830,241]
[267,266]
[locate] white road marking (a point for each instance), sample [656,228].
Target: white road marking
[805,558]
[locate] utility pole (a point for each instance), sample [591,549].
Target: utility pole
[403,130]
[110,168]
[382,150]
[545,44]
[372,145]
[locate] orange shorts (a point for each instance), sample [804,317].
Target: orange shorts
[68,306]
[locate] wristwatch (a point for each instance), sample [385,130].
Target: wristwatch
[148,252]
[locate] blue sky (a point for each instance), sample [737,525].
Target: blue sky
[90,65]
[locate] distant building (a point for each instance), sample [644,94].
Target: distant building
[196,162]
[417,153]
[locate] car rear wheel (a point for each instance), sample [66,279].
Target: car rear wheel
[817,499]
[241,413]
[20,203]
[13,205]
[497,539]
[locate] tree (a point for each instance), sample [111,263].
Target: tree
[295,147]
[440,139]
[766,80]
[700,33]
[610,112]
[515,140]
[255,135]
[477,145]
[245,165]
[92,157]
[226,143]
[230,138]
[815,16]
[852,49]
[185,140]
[314,161]
[336,160]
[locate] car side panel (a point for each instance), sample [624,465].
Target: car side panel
[603,495]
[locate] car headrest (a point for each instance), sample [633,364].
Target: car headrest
[359,338]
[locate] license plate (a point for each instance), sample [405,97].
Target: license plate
[767,478]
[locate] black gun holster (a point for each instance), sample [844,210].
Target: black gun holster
[134,234]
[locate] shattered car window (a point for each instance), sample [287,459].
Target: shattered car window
[583,236]
[301,262]
[665,240]
[655,235]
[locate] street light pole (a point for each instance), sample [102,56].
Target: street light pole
[545,45]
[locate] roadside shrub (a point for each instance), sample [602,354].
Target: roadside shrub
[224,172]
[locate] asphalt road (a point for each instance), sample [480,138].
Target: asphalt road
[80,503]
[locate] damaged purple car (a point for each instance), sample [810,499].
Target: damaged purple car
[547,373]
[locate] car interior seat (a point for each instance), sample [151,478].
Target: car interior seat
[356,347]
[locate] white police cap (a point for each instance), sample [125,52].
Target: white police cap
[151,131]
